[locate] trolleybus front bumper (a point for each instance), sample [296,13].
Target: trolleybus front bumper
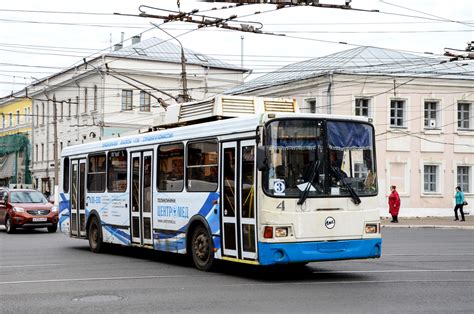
[300,252]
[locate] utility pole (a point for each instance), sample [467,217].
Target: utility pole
[55,145]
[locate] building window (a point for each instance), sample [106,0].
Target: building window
[36,153]
[311,104]
[44,113]
[170,168]
[62,109]
[69,107]
[127,98]
[144,101]
[360,170]
[201,168]
[397,113]
[464,178]
[95,97]
[362,107]
[42,152]
[77,106]
[431,178]
[17,117]
[10,119]
[3,120]
[85,99]
[464,114]
[431,114]
[27,115]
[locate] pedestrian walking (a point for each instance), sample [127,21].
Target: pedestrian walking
[459,204]
[394,203]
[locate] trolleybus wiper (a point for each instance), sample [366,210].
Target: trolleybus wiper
[304,194]
[340,177]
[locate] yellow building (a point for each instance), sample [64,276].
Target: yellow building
[15,140]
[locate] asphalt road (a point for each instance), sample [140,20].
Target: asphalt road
[422,270]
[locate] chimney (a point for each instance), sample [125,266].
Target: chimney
[136,39]
[119,45]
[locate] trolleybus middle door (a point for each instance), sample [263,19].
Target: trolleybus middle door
[141,197]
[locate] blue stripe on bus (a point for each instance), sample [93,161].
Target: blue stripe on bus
[118,234]
[298,252]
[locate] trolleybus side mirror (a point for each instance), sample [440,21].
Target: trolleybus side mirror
[262,163]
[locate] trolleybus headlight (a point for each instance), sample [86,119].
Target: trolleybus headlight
[268,232]
[281,232]
[371,228]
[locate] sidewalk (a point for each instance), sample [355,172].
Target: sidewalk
[429,222]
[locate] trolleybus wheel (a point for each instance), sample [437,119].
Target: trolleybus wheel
[95,236]
[202,249]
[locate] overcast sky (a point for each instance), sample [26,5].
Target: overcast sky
[37,44]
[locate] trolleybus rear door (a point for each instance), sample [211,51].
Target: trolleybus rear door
[141,197]
[238,199]
[78,210]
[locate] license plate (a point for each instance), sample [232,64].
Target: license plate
[40,219]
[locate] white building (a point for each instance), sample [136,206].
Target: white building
[116,92]
[422,109]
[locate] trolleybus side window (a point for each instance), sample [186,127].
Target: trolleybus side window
[201,170]
[171,167]
[96,173]
[66,175]
[117,171]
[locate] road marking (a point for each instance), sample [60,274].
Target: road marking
[94,279]
[35,265]
[395,271]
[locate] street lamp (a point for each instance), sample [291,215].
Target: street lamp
[185,96]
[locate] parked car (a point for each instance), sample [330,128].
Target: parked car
[26,208]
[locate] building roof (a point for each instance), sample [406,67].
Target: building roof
[361,61]
[167,51]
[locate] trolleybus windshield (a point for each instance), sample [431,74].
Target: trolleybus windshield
[319,158]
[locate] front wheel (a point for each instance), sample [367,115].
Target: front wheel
[95,236]
[53,228]
[9,226]
[202,249]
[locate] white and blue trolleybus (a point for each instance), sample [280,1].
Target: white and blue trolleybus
[273,188]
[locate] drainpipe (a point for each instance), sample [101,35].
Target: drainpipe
[329,92]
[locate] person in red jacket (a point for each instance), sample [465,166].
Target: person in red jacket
[394,203]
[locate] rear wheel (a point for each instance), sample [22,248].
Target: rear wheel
[9,225]
[202,249]
[53,228]
[95,236]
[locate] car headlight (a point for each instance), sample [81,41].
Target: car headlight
[18,210]
[54,209]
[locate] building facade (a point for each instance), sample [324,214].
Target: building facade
[422,109]
[117,93]
[15,140]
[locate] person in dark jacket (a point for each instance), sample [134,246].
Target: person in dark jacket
[459,204]
[394,203]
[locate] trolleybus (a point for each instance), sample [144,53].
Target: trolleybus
[273,188]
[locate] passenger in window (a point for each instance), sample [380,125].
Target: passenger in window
[335,163]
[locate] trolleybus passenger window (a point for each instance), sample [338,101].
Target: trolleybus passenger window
[171,167]
[66,175]
[96,173]
[201,171]
[117,171]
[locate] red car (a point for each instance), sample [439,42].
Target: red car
[25,208]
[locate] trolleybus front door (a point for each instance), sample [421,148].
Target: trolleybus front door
[141,197]
[78,197]
[238,200]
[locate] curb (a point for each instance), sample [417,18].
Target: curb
[430,226]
